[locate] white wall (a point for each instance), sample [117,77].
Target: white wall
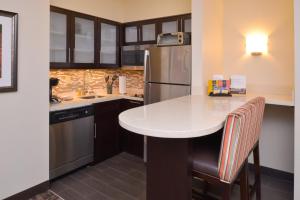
[135,10]
[277,22]
[24,124]
[109,9]
[242,17]
[219,47]
[126,10]
[277,138]
[297,100]
[197,56]
[207,29]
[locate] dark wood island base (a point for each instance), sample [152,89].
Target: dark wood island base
[169,169]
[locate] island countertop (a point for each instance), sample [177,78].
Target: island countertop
[184,117]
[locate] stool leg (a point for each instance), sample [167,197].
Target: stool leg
[257,172]
[226,192]
[244,183]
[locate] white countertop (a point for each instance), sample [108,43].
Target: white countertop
[77,102]
[185,117]
[275,99]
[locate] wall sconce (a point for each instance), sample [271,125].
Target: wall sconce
[257,44]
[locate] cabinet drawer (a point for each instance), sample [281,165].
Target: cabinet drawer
[128,104]
[105,107]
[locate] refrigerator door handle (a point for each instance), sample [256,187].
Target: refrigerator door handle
[146,65]
[146,71]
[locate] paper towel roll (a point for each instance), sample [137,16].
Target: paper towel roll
[122,84]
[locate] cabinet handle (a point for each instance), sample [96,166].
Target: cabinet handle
[69,54]
[140,34]
[95,131]
[181,25]
[135,102]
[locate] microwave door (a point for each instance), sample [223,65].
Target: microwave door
[171,65]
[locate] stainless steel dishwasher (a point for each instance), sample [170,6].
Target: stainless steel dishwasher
[71,140]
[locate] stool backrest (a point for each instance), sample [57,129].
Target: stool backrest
[241,133]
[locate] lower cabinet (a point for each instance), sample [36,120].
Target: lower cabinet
[131,143]
[110,138]
[107,137]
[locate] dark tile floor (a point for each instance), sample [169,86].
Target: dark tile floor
[49,195]
[123,178]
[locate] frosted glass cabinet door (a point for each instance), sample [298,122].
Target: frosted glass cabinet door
[108,52]
[84,40]
[188,25]
[148,32]
[58,38]
[170,27]
[131,34]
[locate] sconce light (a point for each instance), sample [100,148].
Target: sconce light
[257,44]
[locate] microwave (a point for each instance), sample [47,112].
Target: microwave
[174,39]
[132,57]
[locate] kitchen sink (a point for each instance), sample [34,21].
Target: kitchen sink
[90,97]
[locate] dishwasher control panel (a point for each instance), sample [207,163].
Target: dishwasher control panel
[71,114]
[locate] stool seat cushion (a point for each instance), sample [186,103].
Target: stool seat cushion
[206,152]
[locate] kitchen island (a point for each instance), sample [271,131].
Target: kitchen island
[170,126]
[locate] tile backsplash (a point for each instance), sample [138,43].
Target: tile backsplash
[73,80]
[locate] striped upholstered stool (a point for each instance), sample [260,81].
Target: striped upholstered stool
[221,159]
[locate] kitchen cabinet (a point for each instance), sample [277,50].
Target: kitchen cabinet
[72,39]
[110,139]
[142,32]
[146,31]
[187,23]
[107,137]
[109,43]
[170,25]
[83,39]
[132,143]
[132,35]
[78,40]
[180,23]
[59,37]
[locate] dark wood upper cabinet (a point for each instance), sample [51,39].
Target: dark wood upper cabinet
[72,39]
[59,37]
[78,40]
[141,32]
[186,21]
[132,34]
[170,25]
[83,40]
[146,31]
[108,43]
[180,23]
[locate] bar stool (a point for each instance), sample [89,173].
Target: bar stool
[222,159]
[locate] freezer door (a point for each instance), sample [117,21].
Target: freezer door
[160,92]
[169,65]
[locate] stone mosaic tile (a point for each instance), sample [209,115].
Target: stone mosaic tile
[73,80]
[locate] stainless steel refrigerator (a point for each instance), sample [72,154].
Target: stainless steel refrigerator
[167,73]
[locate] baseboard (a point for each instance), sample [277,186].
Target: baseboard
[287,176]
[26,194]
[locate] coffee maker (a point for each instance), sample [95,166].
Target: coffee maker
[53,82]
